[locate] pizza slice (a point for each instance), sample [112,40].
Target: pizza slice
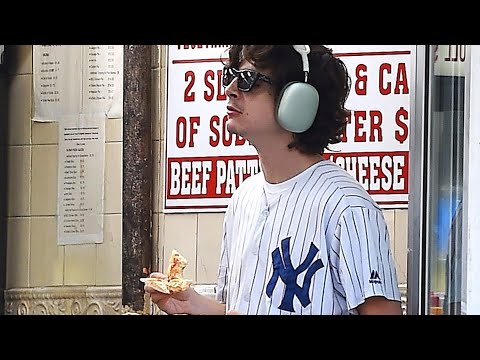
[158,284]
[174,281]
[177,264]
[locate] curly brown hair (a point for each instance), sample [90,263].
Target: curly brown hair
[328,74]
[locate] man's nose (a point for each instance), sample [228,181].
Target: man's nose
[232,89]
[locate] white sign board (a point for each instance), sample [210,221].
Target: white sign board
[376,146]
[205,164]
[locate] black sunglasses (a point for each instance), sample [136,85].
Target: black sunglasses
[246,78]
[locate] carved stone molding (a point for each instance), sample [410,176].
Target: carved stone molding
[67,300]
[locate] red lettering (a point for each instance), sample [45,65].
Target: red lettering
[359,115]
[344,133]
[385,89]
[385,86]
[378,172]
[399,116]
[376,125]
[401,79]
[214,123]
[221,90]
[181,131]
[220,133]
[361,82]
[239,141]
[210,95]
[189,96]
[194,120]
[186,47]
[226,141]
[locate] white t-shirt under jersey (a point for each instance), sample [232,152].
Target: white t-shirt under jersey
[314,244]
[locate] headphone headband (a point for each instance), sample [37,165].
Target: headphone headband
[304,50]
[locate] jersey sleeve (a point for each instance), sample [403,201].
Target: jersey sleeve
[221,289]
[222,278]
[366,266]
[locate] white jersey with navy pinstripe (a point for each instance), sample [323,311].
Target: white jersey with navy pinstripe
[314,244]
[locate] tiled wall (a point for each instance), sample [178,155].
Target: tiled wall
[34,258]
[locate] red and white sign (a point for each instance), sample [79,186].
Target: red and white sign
[205,164]
[376,146]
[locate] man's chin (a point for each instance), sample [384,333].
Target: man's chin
[232,129]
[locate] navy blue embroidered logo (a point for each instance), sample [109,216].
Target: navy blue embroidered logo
[283,269]
[374,278]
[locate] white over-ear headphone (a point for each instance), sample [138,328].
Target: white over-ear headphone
[298,101]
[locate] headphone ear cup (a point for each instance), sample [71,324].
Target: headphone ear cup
[297,106]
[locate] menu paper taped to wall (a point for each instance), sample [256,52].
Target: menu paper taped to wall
[80,197]
[77,79]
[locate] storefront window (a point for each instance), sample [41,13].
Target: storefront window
[445,131]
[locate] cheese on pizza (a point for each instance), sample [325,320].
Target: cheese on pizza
[177,264]
[174,281]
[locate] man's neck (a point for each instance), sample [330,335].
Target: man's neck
[280,163]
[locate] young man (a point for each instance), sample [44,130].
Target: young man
[302,236]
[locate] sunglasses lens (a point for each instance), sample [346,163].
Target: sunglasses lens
[246,78]
[227,76]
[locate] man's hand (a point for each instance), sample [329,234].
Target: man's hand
[173,303]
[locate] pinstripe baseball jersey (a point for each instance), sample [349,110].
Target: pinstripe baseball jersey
[314,244]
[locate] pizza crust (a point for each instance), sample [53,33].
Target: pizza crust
[160,285]
[174,281]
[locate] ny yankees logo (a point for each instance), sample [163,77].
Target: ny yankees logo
[283,268]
